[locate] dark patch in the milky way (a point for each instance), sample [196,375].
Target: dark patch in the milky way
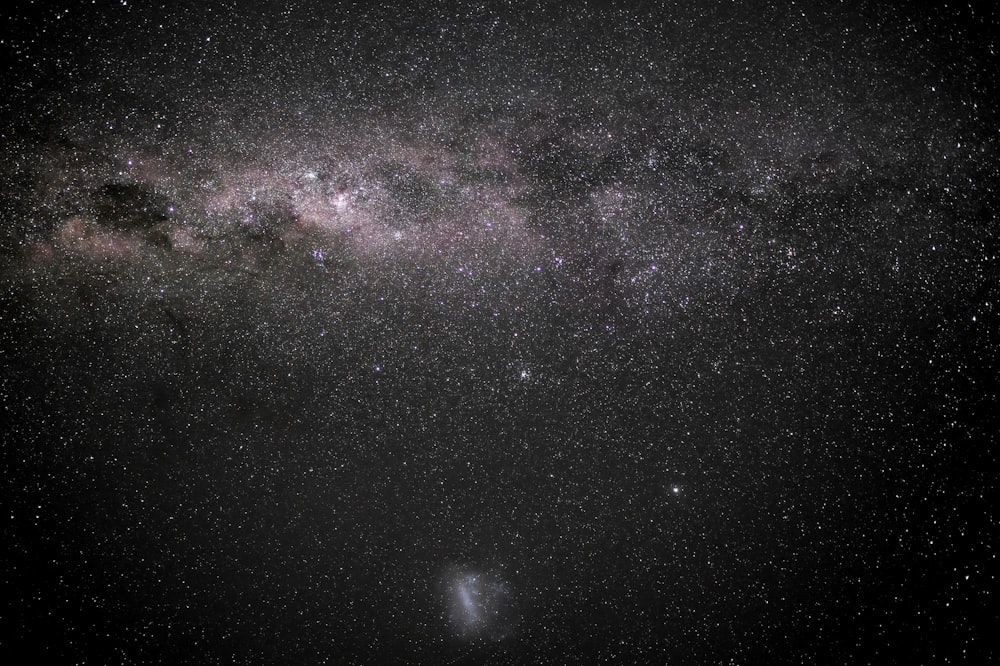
[676,327]
[266,220]
[130,206]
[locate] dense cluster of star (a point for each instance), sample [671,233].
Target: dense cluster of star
[676,326]
[480,605]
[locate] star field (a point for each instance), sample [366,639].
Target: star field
[499,333]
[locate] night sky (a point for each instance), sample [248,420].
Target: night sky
[499,333]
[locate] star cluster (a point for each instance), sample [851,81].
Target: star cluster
[480,606]
[675,325]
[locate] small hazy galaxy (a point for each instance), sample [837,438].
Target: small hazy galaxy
[456,332]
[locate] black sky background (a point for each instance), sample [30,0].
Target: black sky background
[675,327]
